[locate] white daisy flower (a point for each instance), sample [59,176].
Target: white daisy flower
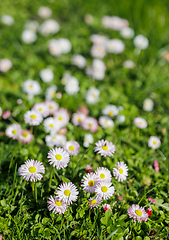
[98,51]
[28,36]
[103,174]
[5,65]
[115,46]
[72,86]
[129,64]
[106,122]
[52,107]
[31,87]
[140,122]
[62,117]
[31,170]
[138,213]
[56,205]
[51,92]
[89,182]
[67,192]
[46,75]
[92,95]
[110,110]
[127,32]
[32,25]
[54,48]
[115,23]
[121,119]
[7,20]
[141,42]
[51,125]
[88,139]
[65,45]
[154,142]
[48,27]
[105,148]
[79,60]
[77,118]
[104,190]
[94,202]
[148,105]
[121,172]
[90,123]
[33,118]
[44,12]
[41,108]
[98,39]
[57,140]
[72,147]
[25,136]
[13,131]
[58,157]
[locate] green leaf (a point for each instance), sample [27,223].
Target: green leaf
[45,220]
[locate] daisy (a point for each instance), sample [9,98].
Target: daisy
[67,192]
[89,182]
[127,33]
[77,118]
[103,174]
[51,125]
[92,95]
[129,64]
[46,75]
[52,107]
[105,148]
[141,42]
[7,20]
[41,108]
[94,202]
[106,207]
[54,48]
[72,147]
[98,39]
[31,170]
[58,157]
[115,46]
[79,61]
[98,51]
[154,142]
[90,123]
[88,139]
[48,27]
[5,65]
[72,86]
[25,136]
[121,119]
[33,118]
[65,45]
[138,213]
[32,25]
[31,87]
[28,36]
[106,122]
[44,12]
[13,131]
[121,172]
[98,65]
[104,190]
[110,110]
[56,205]
[57,140]
[148,105]
[51,92]
[140,122]
[62,117]
[115,23]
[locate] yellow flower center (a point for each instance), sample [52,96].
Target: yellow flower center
[93,201]
[32,169]
[71,148]
[53,94]
[54,138]
[104,189]
[33,116]
[50,107]
[58,203]
[40,109]
[111,114]
[105,147]
[31,86]
[60,118]
[14,131]
[120,170]
[154,142]
[138,212]
[25,134]
[51,125]
[93,95]
[79,119]
[139,123]
[102,176]
[91,183]
[58,157]
[90,125]
[67,192]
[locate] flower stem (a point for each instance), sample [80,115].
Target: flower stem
[31,129]
[33,188]
[101,161]
[51,175]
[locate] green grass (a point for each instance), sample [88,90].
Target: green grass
[21,217]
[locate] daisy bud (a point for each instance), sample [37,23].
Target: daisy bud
[106,207]
[6,114]
[156,166]
[152,200]
[89,169]
[149,212]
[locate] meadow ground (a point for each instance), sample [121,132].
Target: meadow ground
[107,95]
